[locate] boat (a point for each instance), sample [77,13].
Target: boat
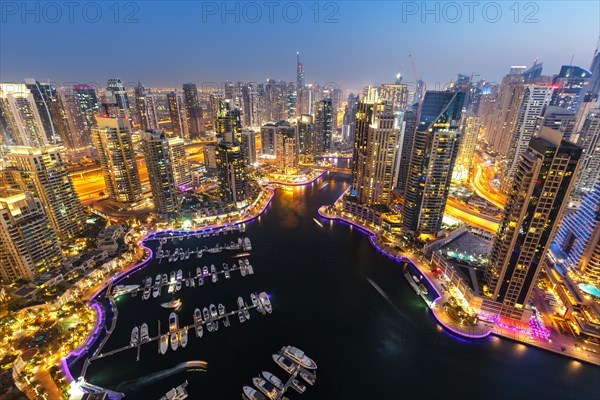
[250,270]
[135,336]
[240,242]
[124,289]
[215,325]
[226,271]
[240,302]
[266,302]
[423,288]
[226,322]
[415,279]
[246,314]
[266,387]
[206,314]
[198,322]
[241,255]
[187,283]
[243,270]
[205,271]
[254,299]
[173,322]
[164,343]
[200,281]
[198,271]
[213,311]
[308,377]
[178,393]
[252,394]
[215,278]
[157,280]
[178,286]
[247,245]
[172,276]
[174,340]
[156,291]
[241,317]
[214,250]
[171,288]
[179,275]
[213,270]
[198,253]
[221,309]
[275,381]
[148,282]
[144,333]
[164,279]
[284,363]
[299,387]
[183,337]
[246,262]
[146,294]
[298,356]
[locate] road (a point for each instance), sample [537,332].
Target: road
[482,186]
[457,210]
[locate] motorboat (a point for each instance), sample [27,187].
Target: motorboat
[299,387]
[222,312]
[241,317]
[206,314]
[179,275]
[178,286]
[124,289]
[157,280]
[246,314]
[171,288]
[198,253]
[205,271]
[275,381]
[298,356]
[240,302]
[174,340]
[178,393]
[252,394]
[198,322]
[213,270]
[198,271]
[213,311]
[156,291]
[172,277]
[247,245]
[246,262]
[164,279]
[146,294]
[215,278]
[250,269]
[144,337]
[243,270]
[226,271]
[284,363]
[266,302]
[221,309]
[135,336]
[200,281]
[308,377]
[215,325]
[164,343]
[183,337]
[173,322]
[254,299]
[266,387]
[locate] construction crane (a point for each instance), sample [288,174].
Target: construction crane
[420,85]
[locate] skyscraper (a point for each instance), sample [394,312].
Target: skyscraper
[589,174]
[112,139]
[469,133]
[233,182]
[146,108]
[267,139]
[21,113]
[44,95]
[286,149]
[181,167]
[251,105]
[193,111]
[228,120]
[579,238]
[376,136]
[324,125]
[349,120]
[116,87]
[407,137]
[248,146]
[48,179]
[594,87]
[543,179]
[177,114]
[434,151]
[161,173]
[558,118]
[305,132]
[572,83]
[28,243]
[396,94]
[81,106]
[535,99]
[299,72]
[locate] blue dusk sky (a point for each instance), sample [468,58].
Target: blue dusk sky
[351,43]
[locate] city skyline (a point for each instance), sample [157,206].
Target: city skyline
[493,51]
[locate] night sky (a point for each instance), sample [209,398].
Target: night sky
[352,43]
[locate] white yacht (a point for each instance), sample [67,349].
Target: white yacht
[178,393]
[250,269]
[144,333]
[266,302]
[240,302]
[198,322]
[308,377]
[156,291]
[198,271]
[124,289]
[164,343]
[172,277]
[174,340]
[171,288]
[215,278]
[252,394]
[157,280]
[246,314]
[178,286]
[179,275]
[275,381]
[146,294]
[183,337]
[247,244]
[200,281]
[298,387]
[226,271]
[284,363]
[241,317]
[254,299]
[173,322]
[213,270]
[135,336]
[266,387]
[205,271]
[298,356]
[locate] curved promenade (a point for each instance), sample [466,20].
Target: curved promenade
[76,354]
[299,183]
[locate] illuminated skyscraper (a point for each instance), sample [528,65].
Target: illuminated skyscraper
[28,243]
[233,182]
[535,99]
[181,167]
[589,174]
[286,149]
[248,146]
[267,139]
[571,85]
[45,99]
[228,120]
[396,94]
[193,111]
[470,131]
[116,87]
[542,183]
[324,125]
[299,72]
[82,107]
[161,172]
[112,139]
[594,87]
[558,118]
[376,136]
[47,177]
[434,151]
[21,113]
[349,122]
[305,132]
[579,238]
[178,115]
[146,108]
[407,137]
[251,105]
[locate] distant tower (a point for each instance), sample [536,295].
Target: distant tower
[115,86]
[595,70]
[112,139]
[177,114]
[28,243]
[193,111]
[434,151]
[267,139]
[540,190]
[589,174]
[232,174]
[248,146]
[45,99]
[470,132]
[299,72]
[407,137]
[286,149]
[305,132]
[21,112]
[572,83]
[146,108]
[181,167]
[324,126]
